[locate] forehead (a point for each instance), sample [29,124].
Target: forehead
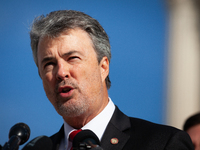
[73,39]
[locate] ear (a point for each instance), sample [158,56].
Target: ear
[104,66]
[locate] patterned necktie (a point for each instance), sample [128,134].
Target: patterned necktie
[72,135]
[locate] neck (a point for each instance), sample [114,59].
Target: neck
[80,121]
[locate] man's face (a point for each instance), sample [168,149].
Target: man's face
[73,79]
[194,133]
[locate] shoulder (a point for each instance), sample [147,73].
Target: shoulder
[158,135]
[140,126]
[148,126]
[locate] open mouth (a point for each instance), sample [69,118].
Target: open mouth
[65,90]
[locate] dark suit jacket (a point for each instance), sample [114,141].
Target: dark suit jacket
[137,134]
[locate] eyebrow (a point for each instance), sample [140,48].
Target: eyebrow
[71,52]
[46,59]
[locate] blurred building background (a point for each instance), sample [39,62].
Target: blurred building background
[183,89]
[137,31]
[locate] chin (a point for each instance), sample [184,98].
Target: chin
[71,111]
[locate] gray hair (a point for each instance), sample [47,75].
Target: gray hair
[56,22]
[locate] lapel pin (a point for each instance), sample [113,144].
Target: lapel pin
[114,141]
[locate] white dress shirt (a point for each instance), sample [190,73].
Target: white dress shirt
[97,125]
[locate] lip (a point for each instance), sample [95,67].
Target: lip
[65,94]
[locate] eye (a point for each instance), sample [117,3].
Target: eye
[49,64]
[73,58]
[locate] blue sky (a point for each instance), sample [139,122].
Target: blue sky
[137,31]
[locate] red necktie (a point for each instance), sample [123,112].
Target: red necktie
[72,135]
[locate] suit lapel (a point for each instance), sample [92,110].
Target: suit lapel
[56,138]
[115,136]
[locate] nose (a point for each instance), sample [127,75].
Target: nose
[62,71]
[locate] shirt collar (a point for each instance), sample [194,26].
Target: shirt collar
[100,122]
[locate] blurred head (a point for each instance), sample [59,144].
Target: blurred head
[192,127]
[57,22]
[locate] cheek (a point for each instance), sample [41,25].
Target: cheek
[93,79]
[81,75]
[48,81]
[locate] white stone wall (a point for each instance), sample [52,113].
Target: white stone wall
[183,93]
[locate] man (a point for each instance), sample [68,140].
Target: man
[72,53]
[192,127]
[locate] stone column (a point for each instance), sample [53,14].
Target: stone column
[183,90]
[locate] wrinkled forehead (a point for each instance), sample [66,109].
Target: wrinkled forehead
[74,39]
[52,36]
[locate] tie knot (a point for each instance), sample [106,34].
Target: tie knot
[73,134]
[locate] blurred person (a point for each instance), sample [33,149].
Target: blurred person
[192,127]
[72,53]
